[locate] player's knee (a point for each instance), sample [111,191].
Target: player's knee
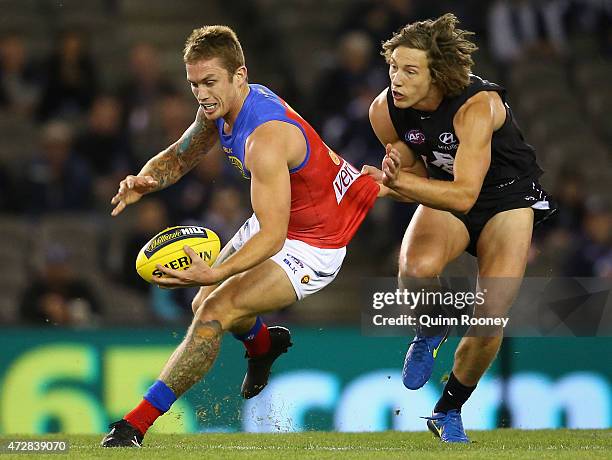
[496,304]
[199,299]
[197,303]
[216,308]
[420,267]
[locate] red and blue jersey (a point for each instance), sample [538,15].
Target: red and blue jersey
[329,197]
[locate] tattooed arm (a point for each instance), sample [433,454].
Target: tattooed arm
[168,166]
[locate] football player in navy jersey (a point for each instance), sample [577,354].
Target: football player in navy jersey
[453,146]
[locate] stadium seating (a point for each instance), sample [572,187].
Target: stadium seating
[562,106]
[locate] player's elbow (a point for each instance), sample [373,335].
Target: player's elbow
[462,207]
[277,246]
[464,202]
[462,195]
[276,241]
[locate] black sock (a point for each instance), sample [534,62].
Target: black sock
[455,394]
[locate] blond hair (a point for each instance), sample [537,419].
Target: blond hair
[210,42]
[448,50]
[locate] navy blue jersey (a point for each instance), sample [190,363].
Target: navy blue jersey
[431,135]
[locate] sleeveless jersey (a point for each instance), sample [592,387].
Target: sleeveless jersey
[329,197]
[432,136]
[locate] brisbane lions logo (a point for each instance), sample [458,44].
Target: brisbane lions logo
[334,157]
[238,164]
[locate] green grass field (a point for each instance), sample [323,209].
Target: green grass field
[515,444]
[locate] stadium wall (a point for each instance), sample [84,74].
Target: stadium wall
[332,379]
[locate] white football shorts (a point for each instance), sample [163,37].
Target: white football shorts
[309,269]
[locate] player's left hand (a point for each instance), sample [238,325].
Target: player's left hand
[198,273]
[390,166]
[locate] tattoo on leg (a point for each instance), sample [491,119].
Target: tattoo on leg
[193,357]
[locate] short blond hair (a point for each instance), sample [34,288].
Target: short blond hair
[210,42]
[448,50]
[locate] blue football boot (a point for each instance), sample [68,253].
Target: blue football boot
[447,426]
[419,360]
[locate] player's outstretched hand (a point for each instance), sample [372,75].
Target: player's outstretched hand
[198,273]
[390,166]
[377,175]
[131,189]
[373,172]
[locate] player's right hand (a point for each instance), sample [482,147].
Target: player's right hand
[373,172]
[131,189]
[378,177]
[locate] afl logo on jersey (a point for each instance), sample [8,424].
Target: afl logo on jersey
[447,138]
[334,157]
[414,136]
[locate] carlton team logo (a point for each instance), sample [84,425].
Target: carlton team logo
[414,136]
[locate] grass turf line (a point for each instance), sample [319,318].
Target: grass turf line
[505,443]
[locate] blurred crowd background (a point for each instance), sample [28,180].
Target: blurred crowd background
[90,89]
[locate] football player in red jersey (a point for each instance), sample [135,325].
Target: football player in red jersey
[308,203]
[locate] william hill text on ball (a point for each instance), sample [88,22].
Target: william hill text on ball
[166,248]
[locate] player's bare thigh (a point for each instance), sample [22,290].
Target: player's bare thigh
[432,240]
[503,249]
[205,291]
[261,289]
